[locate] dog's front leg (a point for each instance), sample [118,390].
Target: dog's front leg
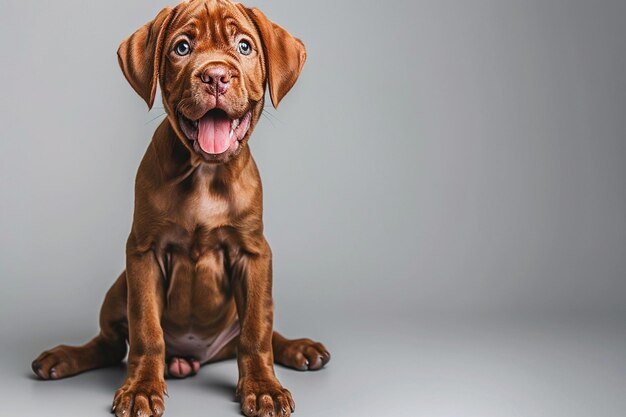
[144,388]
[258,390]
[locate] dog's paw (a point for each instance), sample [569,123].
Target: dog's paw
[302,354]
[56,363]
[140,399]
[264,398]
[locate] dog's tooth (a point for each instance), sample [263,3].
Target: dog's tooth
[232,132]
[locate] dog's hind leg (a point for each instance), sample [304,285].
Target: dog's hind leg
[300,354]
[106,349]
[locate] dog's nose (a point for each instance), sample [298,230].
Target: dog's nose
[217,78]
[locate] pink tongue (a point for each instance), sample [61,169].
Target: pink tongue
[214,132]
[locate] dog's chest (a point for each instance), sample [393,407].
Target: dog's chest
[208,210]
[202,207]
[200,217]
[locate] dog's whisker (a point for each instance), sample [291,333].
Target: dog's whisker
[153,119]
[268,119]
[273,116]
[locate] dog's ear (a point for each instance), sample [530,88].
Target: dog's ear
[284,54]
[140,55]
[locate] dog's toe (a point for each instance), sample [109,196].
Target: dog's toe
[264,398]
[302,354]
[52,364]
[143,399]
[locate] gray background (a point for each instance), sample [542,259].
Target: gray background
[444,194]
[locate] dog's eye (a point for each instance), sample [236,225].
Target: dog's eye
[244,47]
[182,48]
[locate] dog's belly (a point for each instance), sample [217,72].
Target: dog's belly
[199,317]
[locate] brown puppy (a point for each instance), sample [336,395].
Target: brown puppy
[198,279]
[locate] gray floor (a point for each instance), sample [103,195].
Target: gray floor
[401,367]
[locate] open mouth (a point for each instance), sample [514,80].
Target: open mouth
[215,133]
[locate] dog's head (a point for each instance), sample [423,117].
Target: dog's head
[212,59]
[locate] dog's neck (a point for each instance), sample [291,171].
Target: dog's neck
[176,163]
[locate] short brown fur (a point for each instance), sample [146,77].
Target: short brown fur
[197,262]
